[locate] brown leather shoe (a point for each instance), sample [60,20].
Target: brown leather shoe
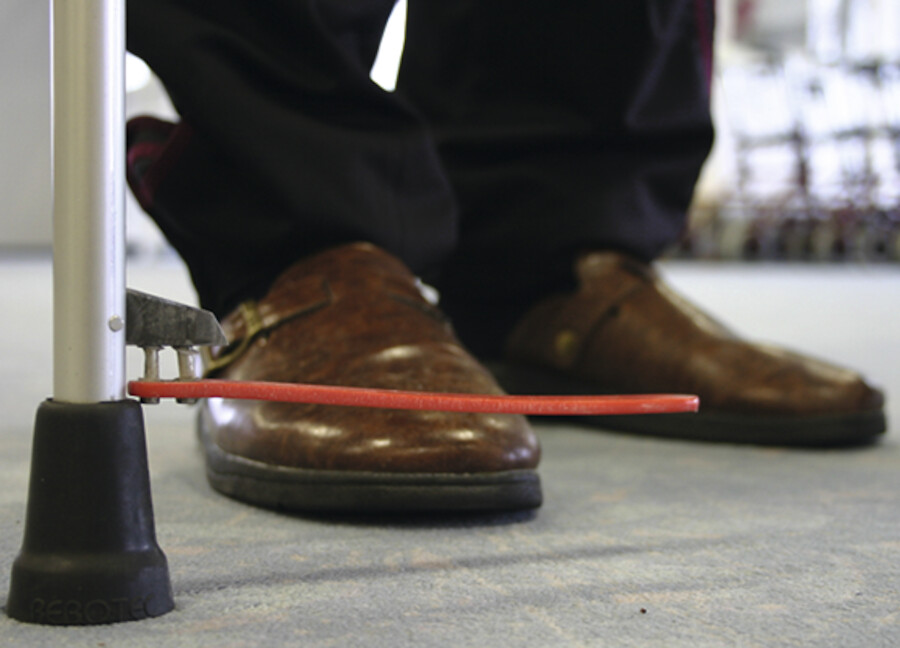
[625,331]
[355,316]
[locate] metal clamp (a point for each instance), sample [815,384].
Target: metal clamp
[152,323]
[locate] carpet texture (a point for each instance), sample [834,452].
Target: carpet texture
[640,542]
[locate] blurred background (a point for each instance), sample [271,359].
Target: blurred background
[806,165]
[807,110]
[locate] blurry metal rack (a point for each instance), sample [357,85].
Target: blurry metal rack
[817,158]
[808,113]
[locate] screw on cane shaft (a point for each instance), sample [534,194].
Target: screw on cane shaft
[187,368]
[151,368]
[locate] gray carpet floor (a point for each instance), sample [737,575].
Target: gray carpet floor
[640,542]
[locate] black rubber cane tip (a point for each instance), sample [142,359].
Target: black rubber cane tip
[89,555]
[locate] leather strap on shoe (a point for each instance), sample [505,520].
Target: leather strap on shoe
[253,319]
[555,332]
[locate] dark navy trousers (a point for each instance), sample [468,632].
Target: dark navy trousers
[520,133]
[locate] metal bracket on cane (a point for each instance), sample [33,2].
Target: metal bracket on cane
[155,323]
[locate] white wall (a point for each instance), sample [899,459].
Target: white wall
[24,123]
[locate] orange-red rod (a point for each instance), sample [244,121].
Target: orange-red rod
[392,399]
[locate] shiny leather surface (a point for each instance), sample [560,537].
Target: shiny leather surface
[627,332]
[354,316]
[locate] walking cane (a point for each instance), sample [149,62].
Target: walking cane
[89,553]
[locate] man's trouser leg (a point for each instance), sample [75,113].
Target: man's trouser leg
[562,126]
[286,147]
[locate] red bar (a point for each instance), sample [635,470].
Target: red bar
[390,399]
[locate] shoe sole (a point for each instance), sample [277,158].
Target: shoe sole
[338,491]
[844,430]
